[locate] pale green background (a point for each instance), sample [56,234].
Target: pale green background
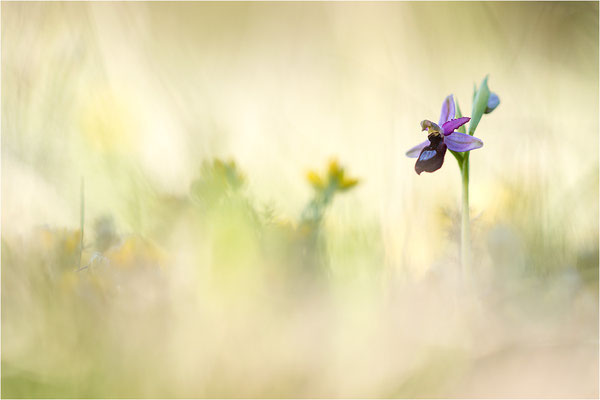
[130,95]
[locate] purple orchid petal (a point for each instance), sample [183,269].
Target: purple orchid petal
[462,142]
[431,157]
[451,125]
[448,110]
[416,151]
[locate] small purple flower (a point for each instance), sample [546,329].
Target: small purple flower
[430,154]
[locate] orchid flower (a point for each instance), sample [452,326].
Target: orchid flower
[442,136]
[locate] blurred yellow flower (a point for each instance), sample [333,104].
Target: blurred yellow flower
[216,179]
[334,169]
[315,180]
[334,179]
[348,183]
[61,241]
[137,252]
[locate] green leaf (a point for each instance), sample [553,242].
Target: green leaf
[479,105]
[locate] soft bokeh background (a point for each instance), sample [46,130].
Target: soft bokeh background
[134,97]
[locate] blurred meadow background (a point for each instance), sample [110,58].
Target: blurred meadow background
[212,200]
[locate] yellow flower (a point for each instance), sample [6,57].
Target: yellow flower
[335,178]
[348,183]
[315,180]
[334,170]
[137,252]
[61,241]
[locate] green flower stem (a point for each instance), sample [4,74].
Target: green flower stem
[81,221]
[465,237]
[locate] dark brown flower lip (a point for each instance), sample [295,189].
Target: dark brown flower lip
[431,157]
